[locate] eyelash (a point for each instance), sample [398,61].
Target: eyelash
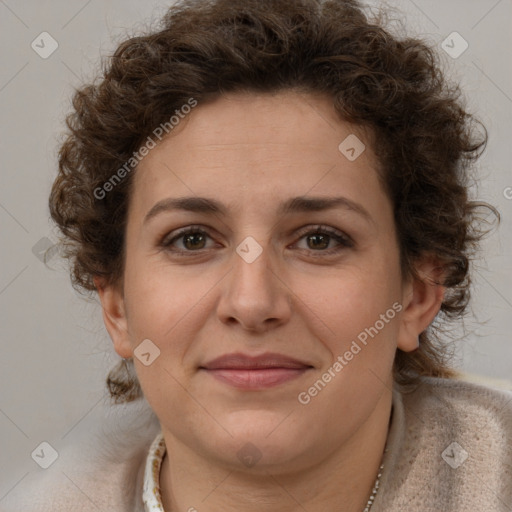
[344,240]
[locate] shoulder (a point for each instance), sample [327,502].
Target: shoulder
[461,408]
[473,420]
[454,451]
[100,470]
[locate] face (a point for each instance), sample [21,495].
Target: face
[287,270]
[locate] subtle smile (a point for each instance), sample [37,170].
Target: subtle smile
[255,372]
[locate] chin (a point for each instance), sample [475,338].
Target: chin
[263,442]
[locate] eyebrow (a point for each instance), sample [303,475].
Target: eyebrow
[300,204]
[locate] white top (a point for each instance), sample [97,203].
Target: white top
[151,491]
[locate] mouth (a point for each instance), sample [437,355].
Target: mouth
[255,372]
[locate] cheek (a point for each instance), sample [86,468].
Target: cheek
[166,304]
[346,303]
[358,319]
[166,308]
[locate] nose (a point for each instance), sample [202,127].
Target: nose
[253,295]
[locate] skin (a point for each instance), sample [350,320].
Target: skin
[251,152]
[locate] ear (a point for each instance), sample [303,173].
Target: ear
[114,316]
[421,300]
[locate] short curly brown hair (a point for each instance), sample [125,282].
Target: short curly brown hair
[424,138]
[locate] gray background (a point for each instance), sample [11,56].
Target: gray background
[55,352]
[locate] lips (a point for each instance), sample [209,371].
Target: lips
[255,372]
[240,361]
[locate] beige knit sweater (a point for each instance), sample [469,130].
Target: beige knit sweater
[449,450]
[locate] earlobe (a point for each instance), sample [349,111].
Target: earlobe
[422,298]
[114,316]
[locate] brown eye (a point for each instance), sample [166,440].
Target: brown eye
[318,241]
[191,239]
[194,241]
[321,238]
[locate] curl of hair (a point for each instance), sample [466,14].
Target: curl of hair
[425,141]
[122,383]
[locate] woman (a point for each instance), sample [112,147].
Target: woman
[270,199]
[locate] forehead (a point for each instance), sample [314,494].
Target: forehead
[281,144]
[287,117]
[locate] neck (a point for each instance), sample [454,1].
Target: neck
[343,481]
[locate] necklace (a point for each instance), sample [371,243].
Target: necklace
[374,491]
